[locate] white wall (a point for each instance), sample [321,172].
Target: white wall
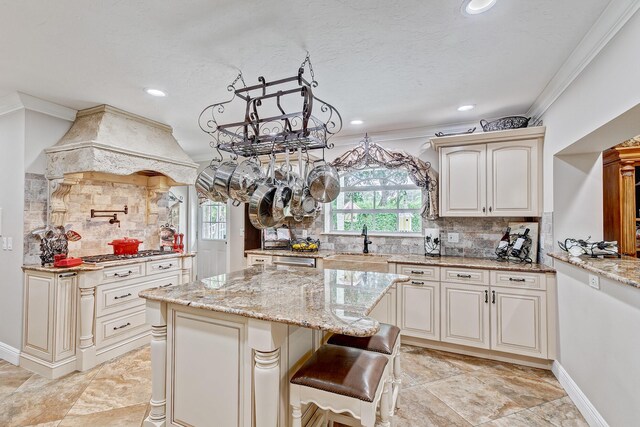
[41,131]
[12,136]
[600,342]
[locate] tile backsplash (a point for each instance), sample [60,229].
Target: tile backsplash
[96,232]
[478,237]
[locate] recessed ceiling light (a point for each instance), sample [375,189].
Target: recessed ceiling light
[475,7]
[466,107]
[155,92]
[356,122]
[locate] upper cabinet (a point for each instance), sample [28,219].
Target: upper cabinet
[491,173]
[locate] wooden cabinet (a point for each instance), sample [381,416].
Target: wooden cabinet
[465,314]
[491,173]
[418,309]
[463,181]
[519,321]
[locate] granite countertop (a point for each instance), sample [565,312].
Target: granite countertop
[286,252]
[465,262]
[330,300]
[443,261]
[624,270]
[100,266]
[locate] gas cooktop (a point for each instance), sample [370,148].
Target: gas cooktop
[95,259]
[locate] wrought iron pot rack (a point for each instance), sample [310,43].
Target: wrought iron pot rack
[308,127]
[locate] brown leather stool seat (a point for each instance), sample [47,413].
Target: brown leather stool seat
[382,342]
[343,370]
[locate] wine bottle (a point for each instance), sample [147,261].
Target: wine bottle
[506,239]
[517,246]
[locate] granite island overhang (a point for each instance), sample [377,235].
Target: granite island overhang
[225,347]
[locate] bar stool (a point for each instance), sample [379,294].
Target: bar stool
[386,341]
[343,379]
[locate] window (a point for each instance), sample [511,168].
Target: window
[386,200]
[214,220]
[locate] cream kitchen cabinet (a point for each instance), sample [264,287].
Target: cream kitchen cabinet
[465,315]
[491,173]
[254,259]
[74,320]
[418,309]
[385,310]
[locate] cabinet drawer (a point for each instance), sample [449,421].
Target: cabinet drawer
[163,265]
[420,272]
[515,279]
[253,259]
[114,297]
[465,275]
[122,272]
[117,327]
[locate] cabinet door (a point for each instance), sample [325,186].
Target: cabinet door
[463,177]
[385,310]
[465,314]
[513,178]
[39,309]
[253,259]
[418,309]
[65,321]
[519,321]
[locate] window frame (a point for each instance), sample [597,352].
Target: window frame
[329,226]
[202,221]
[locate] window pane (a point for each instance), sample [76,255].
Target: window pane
[387,199]
[411,199]
[386,222]
[361,200]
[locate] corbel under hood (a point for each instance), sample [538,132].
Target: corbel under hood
[107,140]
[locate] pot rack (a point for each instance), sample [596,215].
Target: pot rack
[308,127]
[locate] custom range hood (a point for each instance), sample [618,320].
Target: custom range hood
[107,140]
[108,144]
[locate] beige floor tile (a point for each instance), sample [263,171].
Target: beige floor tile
[525,391]
[524,418]
[120,383]
[420,366]
[130,416]
[11,377]
[475,401]
[561,413]
[49,424]
[464,362]
[418,407]
[40,401]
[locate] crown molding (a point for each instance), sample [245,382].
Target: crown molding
[612,19]
[18,101]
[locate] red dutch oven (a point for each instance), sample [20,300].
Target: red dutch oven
[125,246]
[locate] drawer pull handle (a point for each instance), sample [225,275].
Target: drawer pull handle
[167,285]
[417,272]
[493,297]
[511,279]
[127,274]
[123,296]
[165,267]
[417,282]
[486,296]
[464,276]
[115,328]
[67,275]
[258,260]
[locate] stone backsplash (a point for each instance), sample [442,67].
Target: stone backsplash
[96,232]
[478,237]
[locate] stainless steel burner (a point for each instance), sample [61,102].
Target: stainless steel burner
[95,259]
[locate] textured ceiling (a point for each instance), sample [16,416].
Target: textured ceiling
[394,63]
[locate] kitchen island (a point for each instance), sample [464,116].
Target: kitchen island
[223,348]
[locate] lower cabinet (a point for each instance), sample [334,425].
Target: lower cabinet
[465,314]
[385,310]
[418,309]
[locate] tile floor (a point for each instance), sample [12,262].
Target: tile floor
[440,389]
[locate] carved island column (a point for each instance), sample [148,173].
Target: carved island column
[628,208]
[86,354]
[157,317]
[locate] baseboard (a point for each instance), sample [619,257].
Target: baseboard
[586,408]
[10,354]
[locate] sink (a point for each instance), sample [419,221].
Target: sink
[358,262]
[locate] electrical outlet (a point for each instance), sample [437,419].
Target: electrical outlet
[4,243]
[10,243]
[304,234]
[594,281]
[453,237]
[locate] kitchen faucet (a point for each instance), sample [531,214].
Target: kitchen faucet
[366,239]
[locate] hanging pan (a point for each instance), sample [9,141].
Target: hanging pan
[261,201]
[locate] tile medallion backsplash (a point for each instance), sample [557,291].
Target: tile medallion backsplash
[96,232]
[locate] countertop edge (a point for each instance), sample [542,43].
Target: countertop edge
[585,265]
[101,266]
[525,268]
